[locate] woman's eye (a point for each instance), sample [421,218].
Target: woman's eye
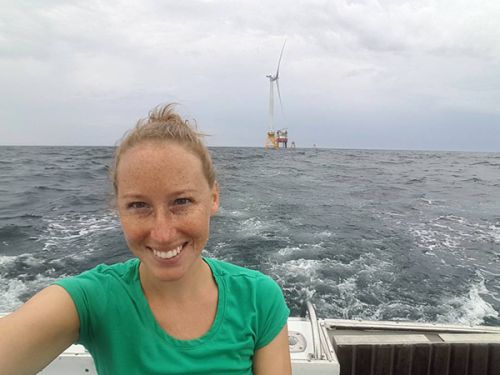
[136,205]
[182,201]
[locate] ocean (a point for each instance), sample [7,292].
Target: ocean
[363,234]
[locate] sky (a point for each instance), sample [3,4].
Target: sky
[363,74]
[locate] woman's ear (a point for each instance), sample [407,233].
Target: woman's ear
[215,198]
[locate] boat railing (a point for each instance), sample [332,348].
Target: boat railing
[308,309]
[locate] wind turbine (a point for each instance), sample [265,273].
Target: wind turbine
[271,135]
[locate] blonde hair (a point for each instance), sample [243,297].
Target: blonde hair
[164,125]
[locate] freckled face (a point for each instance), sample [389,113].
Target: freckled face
[165,204]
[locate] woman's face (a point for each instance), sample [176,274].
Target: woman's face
[165,204]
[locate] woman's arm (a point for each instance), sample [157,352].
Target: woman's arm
[274,358]
[35,334]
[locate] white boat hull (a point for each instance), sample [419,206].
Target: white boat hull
[352,347]
[76,360]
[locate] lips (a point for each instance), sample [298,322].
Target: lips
[169,253]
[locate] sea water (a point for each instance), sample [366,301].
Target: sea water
[362,234]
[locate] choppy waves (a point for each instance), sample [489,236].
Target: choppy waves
[362,234]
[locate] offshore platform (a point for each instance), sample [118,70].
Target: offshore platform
[279,138]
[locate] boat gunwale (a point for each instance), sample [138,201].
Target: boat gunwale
[341,324]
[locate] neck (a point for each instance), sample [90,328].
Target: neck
[190,286]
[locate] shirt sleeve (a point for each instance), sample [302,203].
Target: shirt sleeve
[86,291]
[272,311]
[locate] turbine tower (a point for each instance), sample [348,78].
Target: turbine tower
[272,140]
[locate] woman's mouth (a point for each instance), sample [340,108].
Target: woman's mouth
[169,254]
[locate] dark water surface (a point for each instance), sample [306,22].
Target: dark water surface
[363,234]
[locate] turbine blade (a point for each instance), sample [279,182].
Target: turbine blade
[279,61]
[279,95]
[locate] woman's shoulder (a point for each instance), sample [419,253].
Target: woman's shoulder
[121,268]
[119,271]
[223,268]
[239,275]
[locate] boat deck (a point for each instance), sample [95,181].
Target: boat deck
[369,348]
[356,347]
[350,347]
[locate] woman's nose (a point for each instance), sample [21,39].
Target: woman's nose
[163,228]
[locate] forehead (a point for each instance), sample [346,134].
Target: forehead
[151,162]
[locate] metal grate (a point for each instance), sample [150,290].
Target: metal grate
[420,359]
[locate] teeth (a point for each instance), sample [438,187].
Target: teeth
[168,254]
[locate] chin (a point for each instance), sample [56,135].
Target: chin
[172,269]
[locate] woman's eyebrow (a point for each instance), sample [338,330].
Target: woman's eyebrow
[131,195]
[173,193]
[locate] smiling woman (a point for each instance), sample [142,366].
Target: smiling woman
[165,204]
[168,310]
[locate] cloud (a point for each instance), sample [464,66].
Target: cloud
[98,66]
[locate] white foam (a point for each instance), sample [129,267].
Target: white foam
[450,232]
[293,250]
[494,231]
[324,234]
[252,226]
[432,239]
[304,277]
[232,213]
[469,309]
[289,250]
[452,218]
[304,271]
[348,295]
[13,288]
[6,259]
[428,201]
[65,229]
[304,266]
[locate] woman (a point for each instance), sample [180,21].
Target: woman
[168,310]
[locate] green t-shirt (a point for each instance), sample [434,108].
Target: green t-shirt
[118,328]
